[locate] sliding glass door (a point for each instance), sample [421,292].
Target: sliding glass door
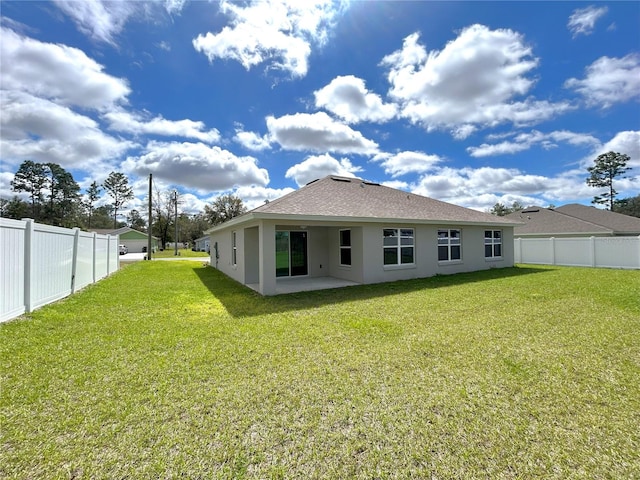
[291,254]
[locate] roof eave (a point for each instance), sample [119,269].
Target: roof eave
[342,219]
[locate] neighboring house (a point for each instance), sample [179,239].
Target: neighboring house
[573,220]
[134,240]
[202,244]
[345,231]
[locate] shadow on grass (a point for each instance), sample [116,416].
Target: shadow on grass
[241,301]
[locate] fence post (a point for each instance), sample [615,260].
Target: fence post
[592,250]
[553,250]
[28,260]
[638,251]
[74,258]
[93,256]
[518,251]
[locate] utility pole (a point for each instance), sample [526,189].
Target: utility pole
[150,218]
[175,221]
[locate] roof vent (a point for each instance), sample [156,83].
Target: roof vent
[312,181]
[341,179]
[531,210]
[371,183]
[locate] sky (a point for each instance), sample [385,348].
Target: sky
[472,103]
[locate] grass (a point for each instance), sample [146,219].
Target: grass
[169,369]
[183,252]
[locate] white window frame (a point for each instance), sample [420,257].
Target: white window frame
[344,247]
[450,242]
[493,242]
[403,241]
[234,249]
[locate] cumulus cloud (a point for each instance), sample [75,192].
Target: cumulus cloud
[317,132]
[281,32]
[525,141]
[197,166]
[254,195]
[320,166]
[582,20]
[137,124]
[348,98]
[43,131]
[476,80]
[627,142]
[406,162]
[57,72]
[252,141]
[609,81]
[481,188]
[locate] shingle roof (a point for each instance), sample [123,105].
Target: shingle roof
[334,196]
[619,223]
[545,221]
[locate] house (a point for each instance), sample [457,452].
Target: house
[202,244]
[573,220]
[134,240]
[340,231]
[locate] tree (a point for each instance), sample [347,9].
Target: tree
[117,187]
[135,221]
[31,178]
[15,208]
[224,208]
[163,215]
[606,168]
[63,198]
[629,206]
[501,210]
[92,194]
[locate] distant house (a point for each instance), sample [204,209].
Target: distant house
[202,244]
[573,220]
[341,231]
[134,240]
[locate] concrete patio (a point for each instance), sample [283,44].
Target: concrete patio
[305,284]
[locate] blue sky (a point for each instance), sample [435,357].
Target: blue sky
[468,102]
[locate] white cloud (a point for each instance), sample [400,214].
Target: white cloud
[525,141]
[40,130]
[474,81]
[104,20]
[317,132]
[135,123]
[197,166]
[348,97]
[406,162]
[582,20]
[320,166]
[57,72]
[481,188]
[624,142]
[281,32]
[252,141]
[254,195]
[97,19]
[609,81]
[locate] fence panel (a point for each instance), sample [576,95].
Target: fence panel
[609,252]
[42,263]
[617,252]
[12,248]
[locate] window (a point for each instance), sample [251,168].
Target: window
[234,251]
[493,244]
[449,245]
[345,247]
[398,245]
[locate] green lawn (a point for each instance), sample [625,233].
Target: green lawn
[183,252]
[171,370]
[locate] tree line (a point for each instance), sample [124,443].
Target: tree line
[55,198]
[605,169]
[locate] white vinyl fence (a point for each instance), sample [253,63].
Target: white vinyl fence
[610,252]
[42,264]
